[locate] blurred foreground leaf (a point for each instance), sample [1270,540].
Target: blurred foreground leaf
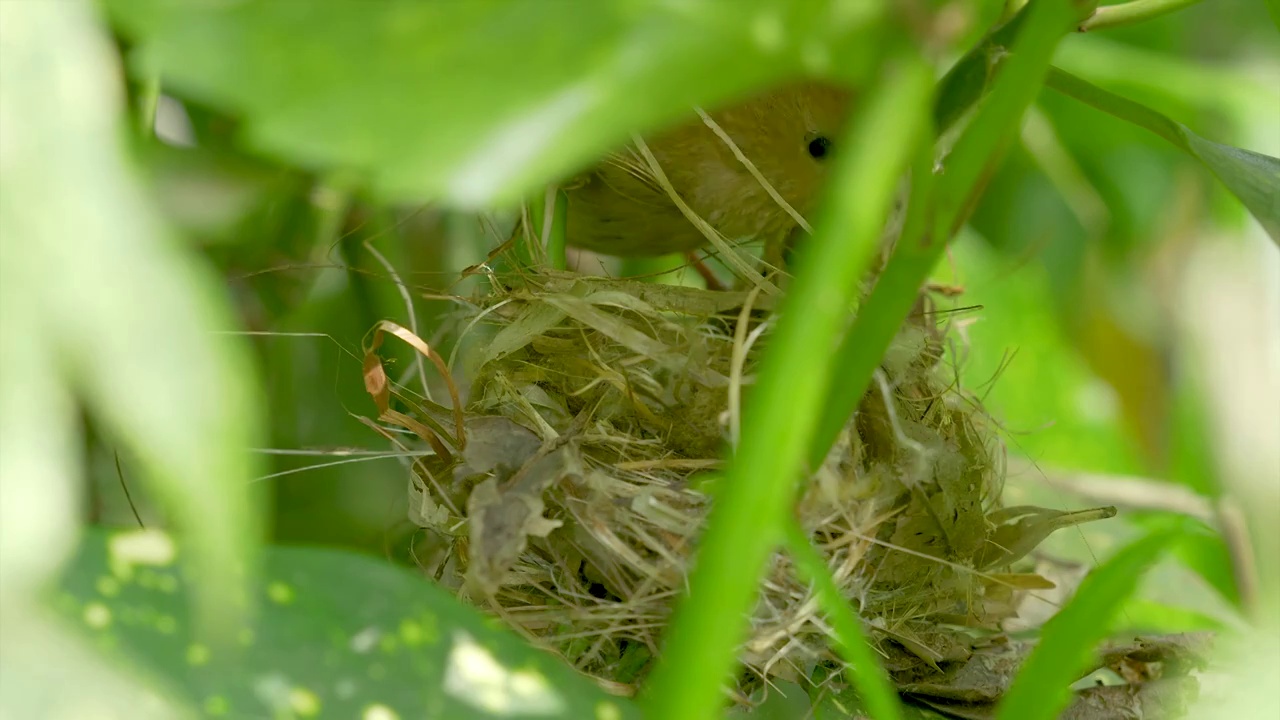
[102,308]
[478,101]
[337,635]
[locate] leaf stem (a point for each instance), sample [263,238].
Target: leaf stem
[1109,16]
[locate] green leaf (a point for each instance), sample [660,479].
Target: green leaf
[1043,685]
[103,308]
[1252,177]
[478,102]
[337,635]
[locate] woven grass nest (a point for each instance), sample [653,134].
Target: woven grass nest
[597,417]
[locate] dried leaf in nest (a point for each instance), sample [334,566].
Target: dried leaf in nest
[504,513]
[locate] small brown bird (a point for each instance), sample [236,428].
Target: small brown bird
[620,207]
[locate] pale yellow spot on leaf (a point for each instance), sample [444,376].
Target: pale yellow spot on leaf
[411,633]
[280,593]
[379,712]
[197,654]
[97,615]
[216,705]
[606,710]
[167,584]
[304,702]
[768,30]
[139,547]
[107,586]
[474,676]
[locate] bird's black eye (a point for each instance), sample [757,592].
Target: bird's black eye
[819,147]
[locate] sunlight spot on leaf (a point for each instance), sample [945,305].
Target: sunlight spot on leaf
[280,593]
[216,705]
[606,710]
[365,640]
[411,633]
[107,586]
[767,31]
[167,583]
[475,677]
[275,691]
[379,712]
[139,547]
[97,615]
[345,688]
[304,702]
[197,654]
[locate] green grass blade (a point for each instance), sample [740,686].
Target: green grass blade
[555,235]
[864,669]
[746,522]
[547,231]
[1042,688]
[928,224]
[1252,177]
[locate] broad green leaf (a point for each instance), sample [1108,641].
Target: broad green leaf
[336,635]
[1042,688]
[476,102]
[1252,177]
[104,309]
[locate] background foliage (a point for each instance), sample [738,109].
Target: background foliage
[303,167]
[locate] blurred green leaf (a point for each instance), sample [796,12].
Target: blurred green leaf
[1252,177]
[477,102]
[1042,687]
[101,305]
[1016,358]
[337,635]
